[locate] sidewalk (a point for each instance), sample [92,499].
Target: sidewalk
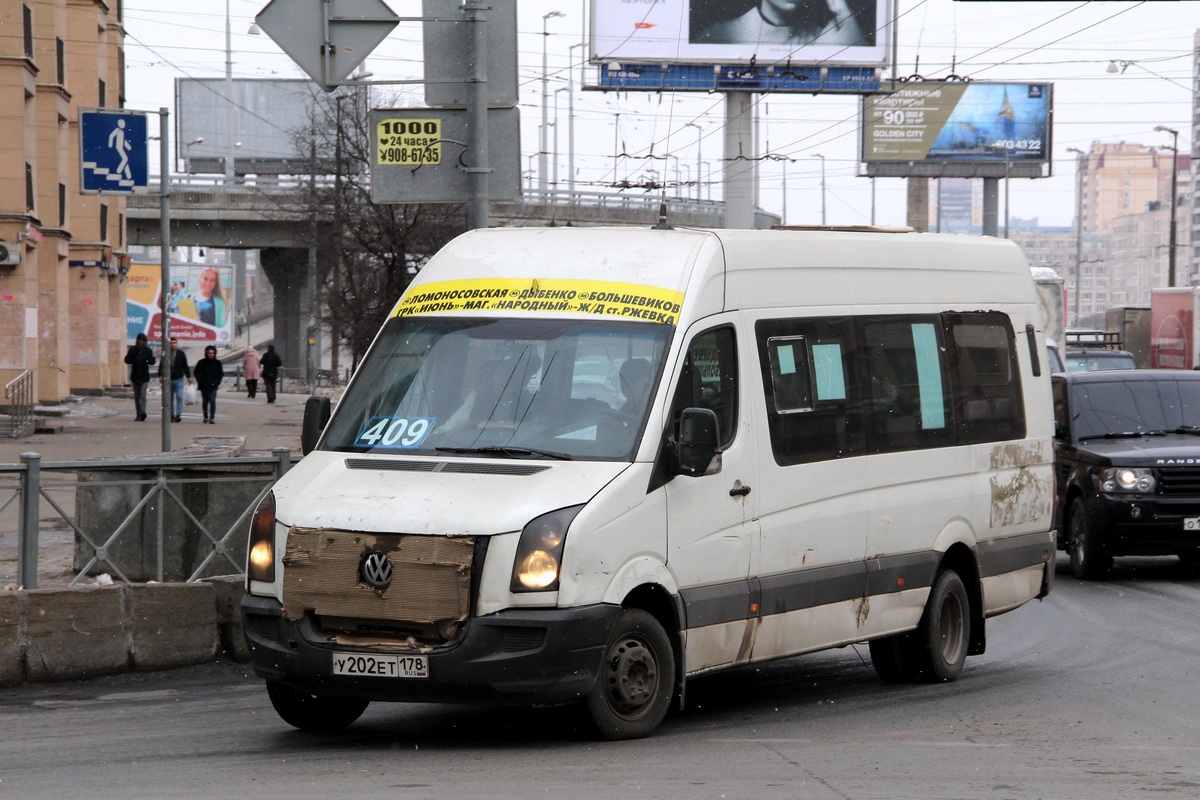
[104,428]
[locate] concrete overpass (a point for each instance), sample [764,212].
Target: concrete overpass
[273,216]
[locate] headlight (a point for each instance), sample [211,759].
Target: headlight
[260,559]
[1127,479]
[539,551]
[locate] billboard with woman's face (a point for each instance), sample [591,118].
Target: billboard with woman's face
[199,302]
[762,32]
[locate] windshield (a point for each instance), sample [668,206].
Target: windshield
[1141,406]
[525,388]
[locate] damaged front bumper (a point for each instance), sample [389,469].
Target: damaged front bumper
[513,656]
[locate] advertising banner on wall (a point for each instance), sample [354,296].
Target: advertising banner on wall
[957,122]
[200,303]
[762,32]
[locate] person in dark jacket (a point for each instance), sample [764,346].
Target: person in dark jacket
[139,358]
[271,363]
[180,372]
[208,373]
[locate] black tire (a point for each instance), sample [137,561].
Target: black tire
[942,638]
[937,649]
[1089,561]
[636,680]
[314,713]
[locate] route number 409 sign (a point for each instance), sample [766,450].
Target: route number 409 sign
[408,141]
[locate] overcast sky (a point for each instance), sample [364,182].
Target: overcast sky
[1069,44]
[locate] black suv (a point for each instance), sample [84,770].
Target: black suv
[1127,462]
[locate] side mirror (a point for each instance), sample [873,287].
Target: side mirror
[316,415]
[696,446]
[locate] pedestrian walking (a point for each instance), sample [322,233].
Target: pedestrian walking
[180,373]
[140,359]
[209,372]
[271,364]
[251,370]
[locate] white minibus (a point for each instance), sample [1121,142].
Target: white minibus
[587,465]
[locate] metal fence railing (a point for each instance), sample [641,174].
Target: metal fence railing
[18,394]
[154,493]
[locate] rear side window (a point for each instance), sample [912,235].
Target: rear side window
[844,386]
[983,372]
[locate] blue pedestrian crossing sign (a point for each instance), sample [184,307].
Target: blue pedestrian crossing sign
[112,151]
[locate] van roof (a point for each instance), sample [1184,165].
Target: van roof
[781,267]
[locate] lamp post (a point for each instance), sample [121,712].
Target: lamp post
[1080,161]
[1174,198]
[542,146]
[818,155]
[229,172]
[554,167]
[699,137]
[187,150]
[571,118]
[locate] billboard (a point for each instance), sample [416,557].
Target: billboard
[200,303]
[994,126]
[761,32]
[267,117]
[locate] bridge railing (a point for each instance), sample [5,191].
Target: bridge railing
[285,194]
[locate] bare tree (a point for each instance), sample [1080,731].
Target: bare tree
[373,250]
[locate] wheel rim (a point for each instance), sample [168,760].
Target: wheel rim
[950,628]
[631,676]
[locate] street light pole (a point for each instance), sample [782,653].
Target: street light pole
[571,119]
[542,146]
[699,137]
[229,149]
[1079,163]
[818,155]
[1174,198]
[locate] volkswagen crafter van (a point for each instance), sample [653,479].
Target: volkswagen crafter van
[586,465]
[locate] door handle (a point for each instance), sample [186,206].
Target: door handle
[739,491]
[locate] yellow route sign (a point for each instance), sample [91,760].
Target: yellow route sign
[408,142]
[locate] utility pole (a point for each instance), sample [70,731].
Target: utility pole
[1174,198]
[1080,161]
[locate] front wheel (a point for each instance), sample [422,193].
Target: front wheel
[636,680]
[314,713]
[1089,561]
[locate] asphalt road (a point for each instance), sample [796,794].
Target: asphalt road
[1089,694]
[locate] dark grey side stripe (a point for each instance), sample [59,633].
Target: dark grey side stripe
[809,588]
[916,570]
[999,556]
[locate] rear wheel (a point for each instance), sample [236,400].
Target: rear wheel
[1089,561]
[937,649]
[636,680]
[312,712]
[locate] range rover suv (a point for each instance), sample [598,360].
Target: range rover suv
[1127,463]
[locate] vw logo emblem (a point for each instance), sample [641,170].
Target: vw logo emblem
[376,570]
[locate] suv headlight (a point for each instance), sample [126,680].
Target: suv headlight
[1127,479]
[539,551]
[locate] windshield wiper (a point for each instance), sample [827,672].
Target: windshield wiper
[1194,430]
[504,450]
[1123,435]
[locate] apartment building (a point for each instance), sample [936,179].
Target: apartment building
[62,301]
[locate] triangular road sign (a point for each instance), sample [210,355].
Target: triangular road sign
[356,27]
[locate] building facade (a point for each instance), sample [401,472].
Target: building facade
[62,304]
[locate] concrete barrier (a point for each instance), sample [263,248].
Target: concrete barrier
[70,634]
